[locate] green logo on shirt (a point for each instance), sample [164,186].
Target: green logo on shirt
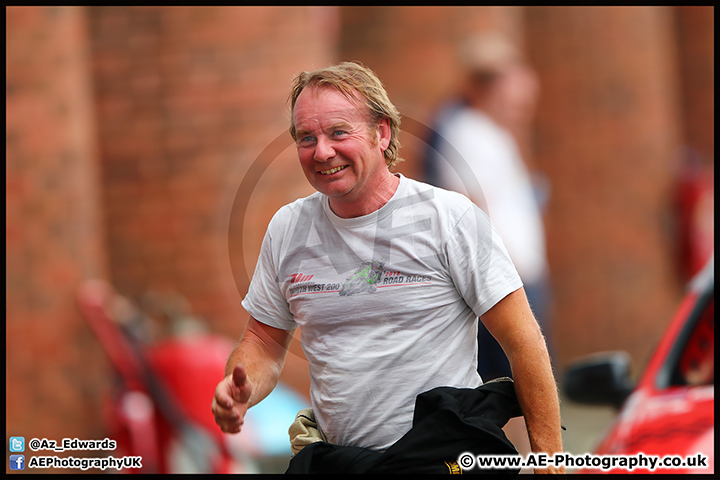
[364,279]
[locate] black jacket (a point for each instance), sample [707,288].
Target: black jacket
[447,423]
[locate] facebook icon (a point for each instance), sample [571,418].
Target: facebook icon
[17,462]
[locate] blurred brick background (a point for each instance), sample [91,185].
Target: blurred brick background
[129,131]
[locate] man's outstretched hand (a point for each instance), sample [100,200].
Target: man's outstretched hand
[231,400]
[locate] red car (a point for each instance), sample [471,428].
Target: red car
[669,414]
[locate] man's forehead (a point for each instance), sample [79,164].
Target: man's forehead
[318,89]
[329,105]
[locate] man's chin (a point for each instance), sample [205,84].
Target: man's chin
[333,188]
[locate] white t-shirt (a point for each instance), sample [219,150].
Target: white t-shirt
[387,303]
[502,184]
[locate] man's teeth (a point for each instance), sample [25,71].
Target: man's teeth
[332,170]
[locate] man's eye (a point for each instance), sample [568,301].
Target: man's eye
[305,140]
[339,133]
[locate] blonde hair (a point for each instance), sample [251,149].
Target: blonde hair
[349,78]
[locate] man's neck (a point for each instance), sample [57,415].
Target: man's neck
[364,206]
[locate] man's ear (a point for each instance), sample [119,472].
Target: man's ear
[384,133]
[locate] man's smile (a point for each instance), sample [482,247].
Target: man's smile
[333,170]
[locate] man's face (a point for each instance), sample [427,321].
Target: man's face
[514,97]
[340,151]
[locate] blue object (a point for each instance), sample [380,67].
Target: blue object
[274,415]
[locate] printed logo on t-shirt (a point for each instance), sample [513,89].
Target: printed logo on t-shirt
[367,278]
[364,279]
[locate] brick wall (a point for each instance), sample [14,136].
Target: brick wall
[696,60]
[55,370]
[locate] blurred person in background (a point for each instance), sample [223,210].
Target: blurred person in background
[476,134]
[387,277]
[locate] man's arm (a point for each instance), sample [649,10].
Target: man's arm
[514,326]
[251,373]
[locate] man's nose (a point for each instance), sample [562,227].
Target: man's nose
[323,150]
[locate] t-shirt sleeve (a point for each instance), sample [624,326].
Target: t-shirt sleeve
[479,263]
[265,301]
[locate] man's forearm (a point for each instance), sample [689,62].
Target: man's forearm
[261,351]
[538,397]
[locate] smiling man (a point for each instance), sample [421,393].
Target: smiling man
[387,278]
[341,145]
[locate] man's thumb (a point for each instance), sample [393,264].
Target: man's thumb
[242,384]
